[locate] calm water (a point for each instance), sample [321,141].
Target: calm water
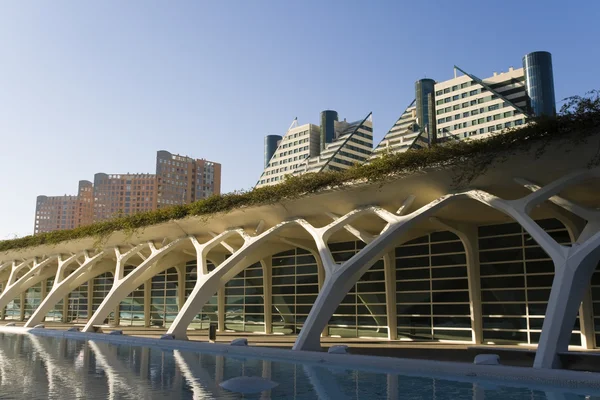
[34,367]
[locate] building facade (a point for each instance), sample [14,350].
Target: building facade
[183,180]
[467,107]
[178,180]
[332,146]
[64,212]
[123,194]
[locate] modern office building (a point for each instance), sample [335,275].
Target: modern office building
[467,107]
[123,194]
[182,180]
[64,212]
[332,145]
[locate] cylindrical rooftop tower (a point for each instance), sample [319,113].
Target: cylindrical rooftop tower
[539,83]
[271,143]
[328,118]
[423,88]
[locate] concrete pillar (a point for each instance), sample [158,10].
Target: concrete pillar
[147,302]
[180,285]
[389,263]
[468,235]
[221,309]
[43,291]
[90,297]
[571,280]
[267,293]
[22,308]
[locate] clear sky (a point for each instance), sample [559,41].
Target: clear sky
[100,86]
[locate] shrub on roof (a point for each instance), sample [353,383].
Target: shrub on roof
[579,118]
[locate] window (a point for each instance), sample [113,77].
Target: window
[455,97]
[447,90]
[456,107]
[457,116]
[455,87]
[464,85]
[447,100]
[473,92]
[463,95]
[518,122]
[439,92]
[465,105]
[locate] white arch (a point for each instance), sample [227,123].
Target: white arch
[122,286]
[63,286]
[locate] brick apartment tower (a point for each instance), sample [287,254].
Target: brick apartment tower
[54,213]
[178,180]
[183,180]
[124,194]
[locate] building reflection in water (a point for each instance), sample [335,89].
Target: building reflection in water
[37,367]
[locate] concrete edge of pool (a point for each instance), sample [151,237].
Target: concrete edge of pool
[457,371]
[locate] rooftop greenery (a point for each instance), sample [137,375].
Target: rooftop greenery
[578,119]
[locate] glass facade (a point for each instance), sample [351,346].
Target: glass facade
[295,286]
[131,309]
[244,301]
[539,82]
[208,314]
[164,303]
[431,290]
[271,142]
[516,278]
[363,312]
[102,285]
[328,118]
[423,88]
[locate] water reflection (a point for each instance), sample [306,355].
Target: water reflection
[35,367]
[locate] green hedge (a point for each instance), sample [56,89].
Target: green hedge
[580,118]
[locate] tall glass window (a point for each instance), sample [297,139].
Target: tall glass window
[208,313]
[78,305]
[33,298]
[295,286]
[131,309]
[163,303]
[363,311]
[432,289]
[516,278]
[55,314]
[244,301]
[102,285]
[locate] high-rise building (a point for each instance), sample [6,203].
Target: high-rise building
[123,194]
[64,212]
[467,107]
[178,180]
[334,145]
[182,180]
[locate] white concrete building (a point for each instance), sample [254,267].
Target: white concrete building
[299,143]
[334,145]
[467,107]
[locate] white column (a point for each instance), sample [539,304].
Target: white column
[221,309]
[148,302]
[389,263]
[267,296]
[571,281]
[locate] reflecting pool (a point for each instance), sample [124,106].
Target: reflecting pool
[38,367]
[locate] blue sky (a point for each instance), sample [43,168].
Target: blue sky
[90,87]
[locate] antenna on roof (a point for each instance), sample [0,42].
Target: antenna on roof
[294,124]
